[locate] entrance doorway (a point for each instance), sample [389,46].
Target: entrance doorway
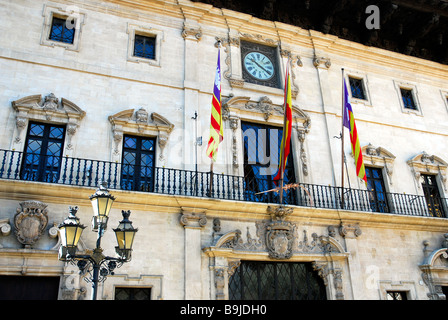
[29,288]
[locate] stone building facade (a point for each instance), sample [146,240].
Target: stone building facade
[95,92]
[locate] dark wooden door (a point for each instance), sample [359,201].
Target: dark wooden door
[28,288]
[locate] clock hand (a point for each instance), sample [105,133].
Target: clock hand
[260,66]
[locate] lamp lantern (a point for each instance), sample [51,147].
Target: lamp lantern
[125,234]
[102,202]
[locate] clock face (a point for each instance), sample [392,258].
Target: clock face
[259,66]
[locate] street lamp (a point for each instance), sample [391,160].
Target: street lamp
[96,264]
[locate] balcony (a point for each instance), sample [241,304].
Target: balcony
[16,165]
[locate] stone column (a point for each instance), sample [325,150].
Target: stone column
[193,223]
[351,233]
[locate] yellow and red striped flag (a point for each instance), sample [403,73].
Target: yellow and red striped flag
[349,123]
[216,126]
[287,126]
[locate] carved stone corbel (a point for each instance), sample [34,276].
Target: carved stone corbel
[192,33]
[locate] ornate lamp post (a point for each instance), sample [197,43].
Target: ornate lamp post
[98,265]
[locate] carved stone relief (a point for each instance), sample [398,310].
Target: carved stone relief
[139,122]
[48,108]
[30,221]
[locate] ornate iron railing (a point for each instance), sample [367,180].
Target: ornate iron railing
[17,165]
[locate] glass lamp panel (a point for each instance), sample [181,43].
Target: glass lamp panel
[125,238]
[70,235]
[101,206]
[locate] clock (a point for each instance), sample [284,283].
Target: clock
[259,65]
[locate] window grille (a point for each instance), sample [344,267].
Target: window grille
[276,281]
[60,32]
[145,47]
[357,88]
[122,293]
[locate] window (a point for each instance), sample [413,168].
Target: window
[432,196]
[132,293]
[375,185]
[62,31]
[261,158]
[145,47]
[137,172]
[144,44]
[408,99]
[276,281]
[43,152]
[396,295]
[357,88]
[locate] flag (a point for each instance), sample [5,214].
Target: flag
[216,126]
[349,123]
[287,126]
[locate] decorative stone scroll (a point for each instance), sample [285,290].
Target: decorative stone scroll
[142,123]
[30,221]
[49,108]
[424,163]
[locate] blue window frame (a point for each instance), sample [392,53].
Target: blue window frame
[408,99]
[261,158]
[137,172]
[145,47]
[60,32]
[43,152]
[357,88]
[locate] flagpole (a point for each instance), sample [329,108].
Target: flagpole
[282,154]
[342,141]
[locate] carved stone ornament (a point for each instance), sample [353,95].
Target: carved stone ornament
[435,268]
[279,239]
[425,163]
[49,108]
[140,122]
[30,221]
[378,156]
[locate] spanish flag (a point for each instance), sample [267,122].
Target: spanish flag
[349,123]
[287,126]
[216,126]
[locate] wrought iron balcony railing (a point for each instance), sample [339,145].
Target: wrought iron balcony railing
[87,172]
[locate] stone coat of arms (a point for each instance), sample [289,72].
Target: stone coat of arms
[30,221]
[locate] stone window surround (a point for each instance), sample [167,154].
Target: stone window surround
[379,157]
[49,109]
[365,83]
[444,94]
[413,88]
[64,12]
[424,163]
[240,108]
[147,31]
[139,123]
